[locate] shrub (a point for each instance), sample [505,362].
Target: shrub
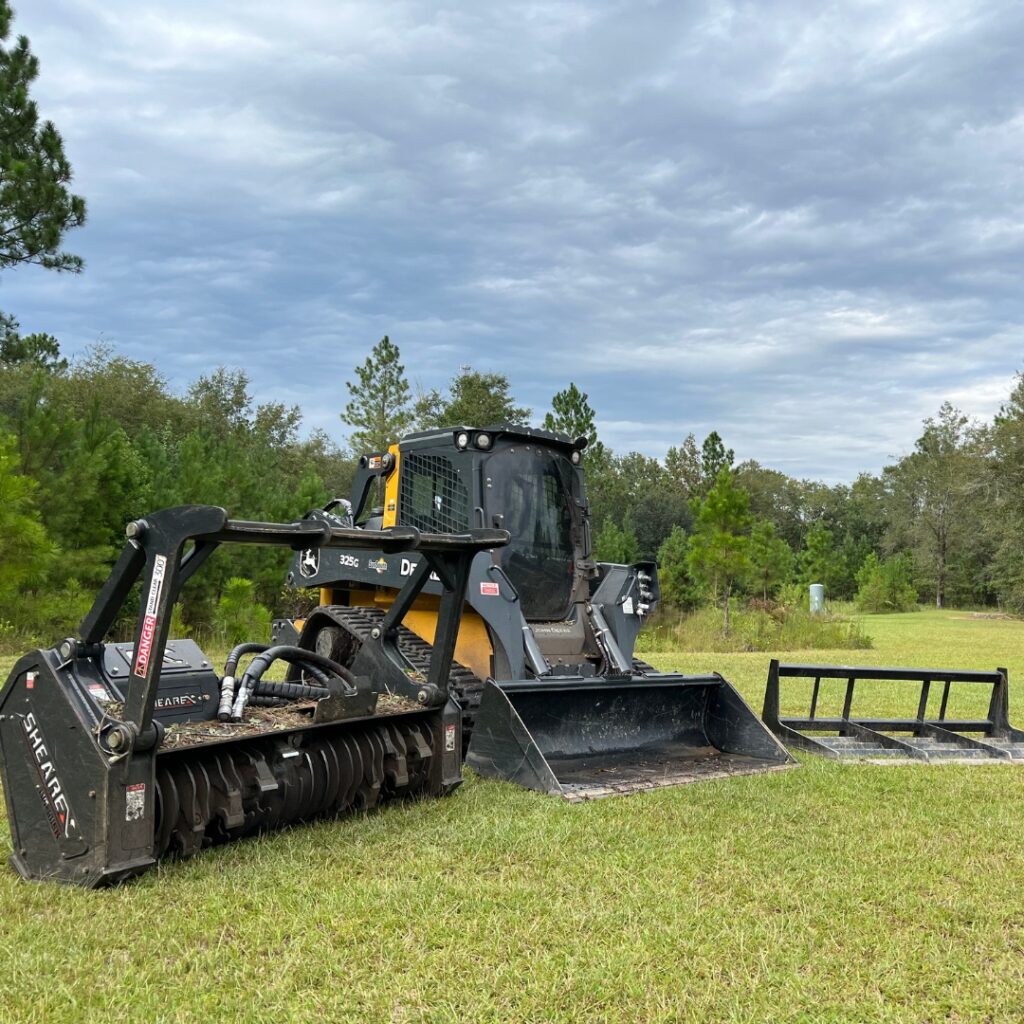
[795,596]
[886,586]
[239,616]
[759,628]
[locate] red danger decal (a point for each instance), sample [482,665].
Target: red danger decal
[149,621]
[489,589]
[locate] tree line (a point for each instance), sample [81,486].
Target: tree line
[86,446]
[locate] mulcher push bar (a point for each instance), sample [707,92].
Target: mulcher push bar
[921,737]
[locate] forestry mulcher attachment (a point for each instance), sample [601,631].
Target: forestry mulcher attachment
[117,754]
[552,697]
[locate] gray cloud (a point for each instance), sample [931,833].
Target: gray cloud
[804,231]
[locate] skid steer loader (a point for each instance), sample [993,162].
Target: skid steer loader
[551,695]
[115,755]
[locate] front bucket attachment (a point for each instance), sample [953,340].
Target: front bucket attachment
[582,738]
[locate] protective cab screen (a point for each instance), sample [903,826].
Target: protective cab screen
[433,498]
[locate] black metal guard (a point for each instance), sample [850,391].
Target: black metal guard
[920,738]
[171,544]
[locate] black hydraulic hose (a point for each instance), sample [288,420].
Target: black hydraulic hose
[318,675]
[238,651]
[293,691]
[310,660]
[269,693]
[227,684]
[289,652]
[311,663]
[260,701]
[283,691]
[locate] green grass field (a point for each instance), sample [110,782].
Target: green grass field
[834,892]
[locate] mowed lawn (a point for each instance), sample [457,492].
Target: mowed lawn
[833,892]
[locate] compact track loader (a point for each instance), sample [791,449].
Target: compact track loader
[115,755]
[552,697]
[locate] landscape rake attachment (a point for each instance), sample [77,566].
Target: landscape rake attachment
[976,730]
[116,755]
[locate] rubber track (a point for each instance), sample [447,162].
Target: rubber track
[463,685]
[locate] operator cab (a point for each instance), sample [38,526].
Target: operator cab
[513,478]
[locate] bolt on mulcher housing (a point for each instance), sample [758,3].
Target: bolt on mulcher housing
[97,787]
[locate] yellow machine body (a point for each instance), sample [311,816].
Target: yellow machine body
[391,492]
[473,647]
[550,693]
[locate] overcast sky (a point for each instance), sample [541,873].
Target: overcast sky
[802,230]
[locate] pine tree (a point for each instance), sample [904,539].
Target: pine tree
[474,399]
[36,207]
[714,457]
[37,350]
[771,558]
[720,548]
[931,489]
[379,409]
[677,588]
[821,561]
[573,414]
[616,544]
[23,536]
[684,467]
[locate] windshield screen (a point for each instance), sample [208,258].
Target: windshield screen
[532,491]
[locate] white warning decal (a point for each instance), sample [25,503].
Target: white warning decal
[149,622]
[449,737]
[134,801]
